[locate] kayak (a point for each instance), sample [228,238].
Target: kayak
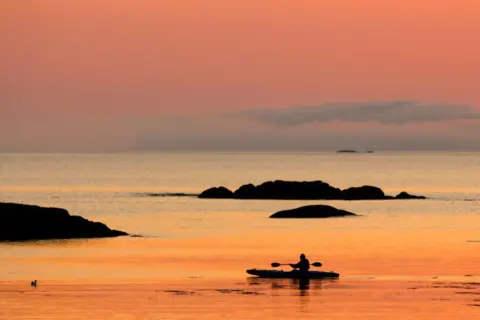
[292,274]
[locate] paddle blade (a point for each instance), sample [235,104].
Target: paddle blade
[316,264]
[275,264]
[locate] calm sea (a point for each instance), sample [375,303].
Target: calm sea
[399,259]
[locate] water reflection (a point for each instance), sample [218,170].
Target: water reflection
[301,285]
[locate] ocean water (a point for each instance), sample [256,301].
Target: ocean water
[401,259]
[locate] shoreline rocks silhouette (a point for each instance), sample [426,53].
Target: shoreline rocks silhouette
[312,211]
[302,190]
[22,222]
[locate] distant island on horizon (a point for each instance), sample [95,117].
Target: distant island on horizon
[354,151]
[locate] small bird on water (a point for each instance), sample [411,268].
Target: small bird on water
[33,283]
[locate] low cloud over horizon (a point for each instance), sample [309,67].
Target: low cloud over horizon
[391,125]
[394,125]
[384,112]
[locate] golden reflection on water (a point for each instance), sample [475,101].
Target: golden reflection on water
[243,299]
[396,273]
[398,260]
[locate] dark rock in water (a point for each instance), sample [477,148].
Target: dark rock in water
[313,211]
[247,191]
[405,195]
[217,193]
[302,190]
[288,190]
[20,222]
[362,193]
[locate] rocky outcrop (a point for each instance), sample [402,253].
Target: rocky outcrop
[217,193]
[405,195]
[313,211]
[247,191]
[287,190]
[362,193]
[302,190]
[20,222]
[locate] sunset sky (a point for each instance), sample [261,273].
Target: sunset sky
[119,75]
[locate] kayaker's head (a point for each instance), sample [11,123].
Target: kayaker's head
[302,257]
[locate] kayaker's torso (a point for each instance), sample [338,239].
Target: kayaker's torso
[303,265]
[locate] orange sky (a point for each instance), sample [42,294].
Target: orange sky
[104,59]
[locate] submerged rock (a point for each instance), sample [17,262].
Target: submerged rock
[301,190]
[312,211]
[20,222]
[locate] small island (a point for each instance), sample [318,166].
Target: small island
[21,222]
[312,211]
[302,190]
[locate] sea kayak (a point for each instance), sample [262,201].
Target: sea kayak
[292,274]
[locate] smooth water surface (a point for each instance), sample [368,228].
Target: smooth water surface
[398,259]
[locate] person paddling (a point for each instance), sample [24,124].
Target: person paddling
[303,265]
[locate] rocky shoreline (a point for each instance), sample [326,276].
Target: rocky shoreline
[21,222]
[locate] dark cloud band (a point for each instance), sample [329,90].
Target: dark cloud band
[389,112]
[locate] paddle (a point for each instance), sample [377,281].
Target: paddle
[276,264]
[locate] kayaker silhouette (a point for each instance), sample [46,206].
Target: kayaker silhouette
[303,265]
